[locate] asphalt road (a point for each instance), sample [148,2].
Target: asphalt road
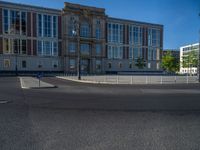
[78,116]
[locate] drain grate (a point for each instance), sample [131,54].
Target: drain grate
[4,101]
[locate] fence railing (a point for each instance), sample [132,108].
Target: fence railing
[136,79]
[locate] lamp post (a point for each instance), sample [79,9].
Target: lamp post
[76,32]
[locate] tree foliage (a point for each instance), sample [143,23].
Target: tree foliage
[170,63]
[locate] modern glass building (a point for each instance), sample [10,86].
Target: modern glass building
[36,39]
[189,59]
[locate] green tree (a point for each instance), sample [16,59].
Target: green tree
[140,63]
[170,63]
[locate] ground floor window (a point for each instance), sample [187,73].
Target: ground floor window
[55,64]
[98,65]
[6,63]
[14,46]
[72,64]
[23,64]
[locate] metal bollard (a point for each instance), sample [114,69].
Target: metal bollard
[161,80]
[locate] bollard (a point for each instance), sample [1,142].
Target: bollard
[187,80]
[161,80]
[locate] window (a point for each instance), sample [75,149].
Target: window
[40,25]
[14,22]
[115,52]
[85,49]
[72,47]
[120,65]
[55,24]
[23,47]
[6,21]
[115,33]
[39,48]
[135,53]
[98,33]
[40,64]
[98,49]
[135,35]
[85,30]
[47,48]
[16,46]
[6,46]
[6,63]
[109,65]
[55,64]
[47,26]
[23,23]
[23,64]
[72,64]
[55,49]
[98,65]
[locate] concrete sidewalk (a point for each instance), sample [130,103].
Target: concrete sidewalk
[33,83]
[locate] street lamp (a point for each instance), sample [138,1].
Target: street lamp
[76,32]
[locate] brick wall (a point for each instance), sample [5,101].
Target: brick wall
[1,45]
[1,21]
[59,48]
[35,47]
[59,27]
[29,27]
[34,25]
[29,46]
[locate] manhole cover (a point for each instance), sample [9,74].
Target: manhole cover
[3,101]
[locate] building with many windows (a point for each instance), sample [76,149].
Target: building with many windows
[189,59]
[129,41]
[42,39]
[30,38]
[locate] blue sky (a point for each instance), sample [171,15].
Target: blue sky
[179,17]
